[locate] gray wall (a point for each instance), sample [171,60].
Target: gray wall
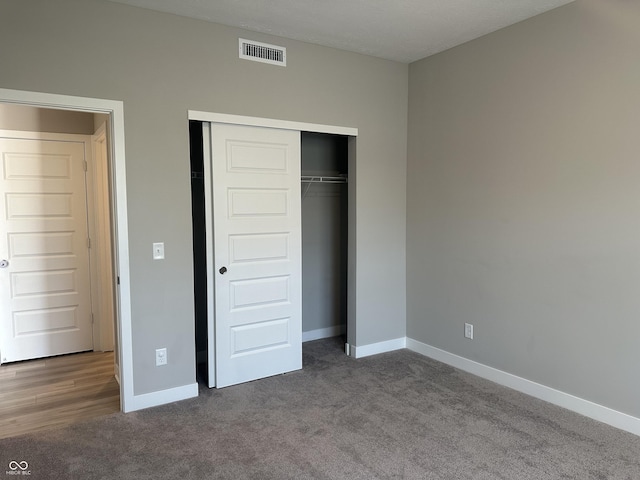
[524,202]
[161,65]
[324,267]
[99,119]
[33,119]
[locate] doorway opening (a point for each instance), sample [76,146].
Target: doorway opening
[105,197]
[58,285]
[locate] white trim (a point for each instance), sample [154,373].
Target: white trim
[327,332]
[162,397]
[115,109]
[570,402]
[380,347]
[58,102]
[121,252]
[271,123]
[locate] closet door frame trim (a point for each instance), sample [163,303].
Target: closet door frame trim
[271,123]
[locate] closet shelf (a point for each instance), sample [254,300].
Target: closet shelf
[323,179]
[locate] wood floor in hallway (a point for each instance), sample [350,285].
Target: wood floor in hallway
[40,394]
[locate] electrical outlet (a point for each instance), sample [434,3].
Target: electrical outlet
[468,331]
[161,356]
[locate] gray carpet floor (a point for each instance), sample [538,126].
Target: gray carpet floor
[396,415]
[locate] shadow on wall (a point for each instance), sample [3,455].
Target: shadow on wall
[34,119]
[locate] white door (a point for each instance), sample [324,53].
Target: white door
[257,260]
[44,282]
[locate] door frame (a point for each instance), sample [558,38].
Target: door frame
[115,110]
[98,202]
[350,132]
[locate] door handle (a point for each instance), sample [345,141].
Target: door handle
[223,270]
[4,263]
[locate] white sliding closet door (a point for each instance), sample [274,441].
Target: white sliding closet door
[254,182]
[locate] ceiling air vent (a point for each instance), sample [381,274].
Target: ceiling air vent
[262,52]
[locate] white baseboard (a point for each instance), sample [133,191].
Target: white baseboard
[570,402]
[154,399]
[380,347]
[322,333]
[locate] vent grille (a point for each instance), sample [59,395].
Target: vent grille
[263,52]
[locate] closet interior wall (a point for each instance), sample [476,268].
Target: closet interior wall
[324,236]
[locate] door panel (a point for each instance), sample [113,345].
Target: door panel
[45,289]
[257,266]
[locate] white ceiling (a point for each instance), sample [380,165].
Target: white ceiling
[401,30]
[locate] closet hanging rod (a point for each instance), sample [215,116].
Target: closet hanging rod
[322,179]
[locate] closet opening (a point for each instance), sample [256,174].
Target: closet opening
[324,208]
[198,226]
[324,162]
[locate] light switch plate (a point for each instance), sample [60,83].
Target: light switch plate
[158,251]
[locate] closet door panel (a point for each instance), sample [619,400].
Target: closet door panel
[257,262]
